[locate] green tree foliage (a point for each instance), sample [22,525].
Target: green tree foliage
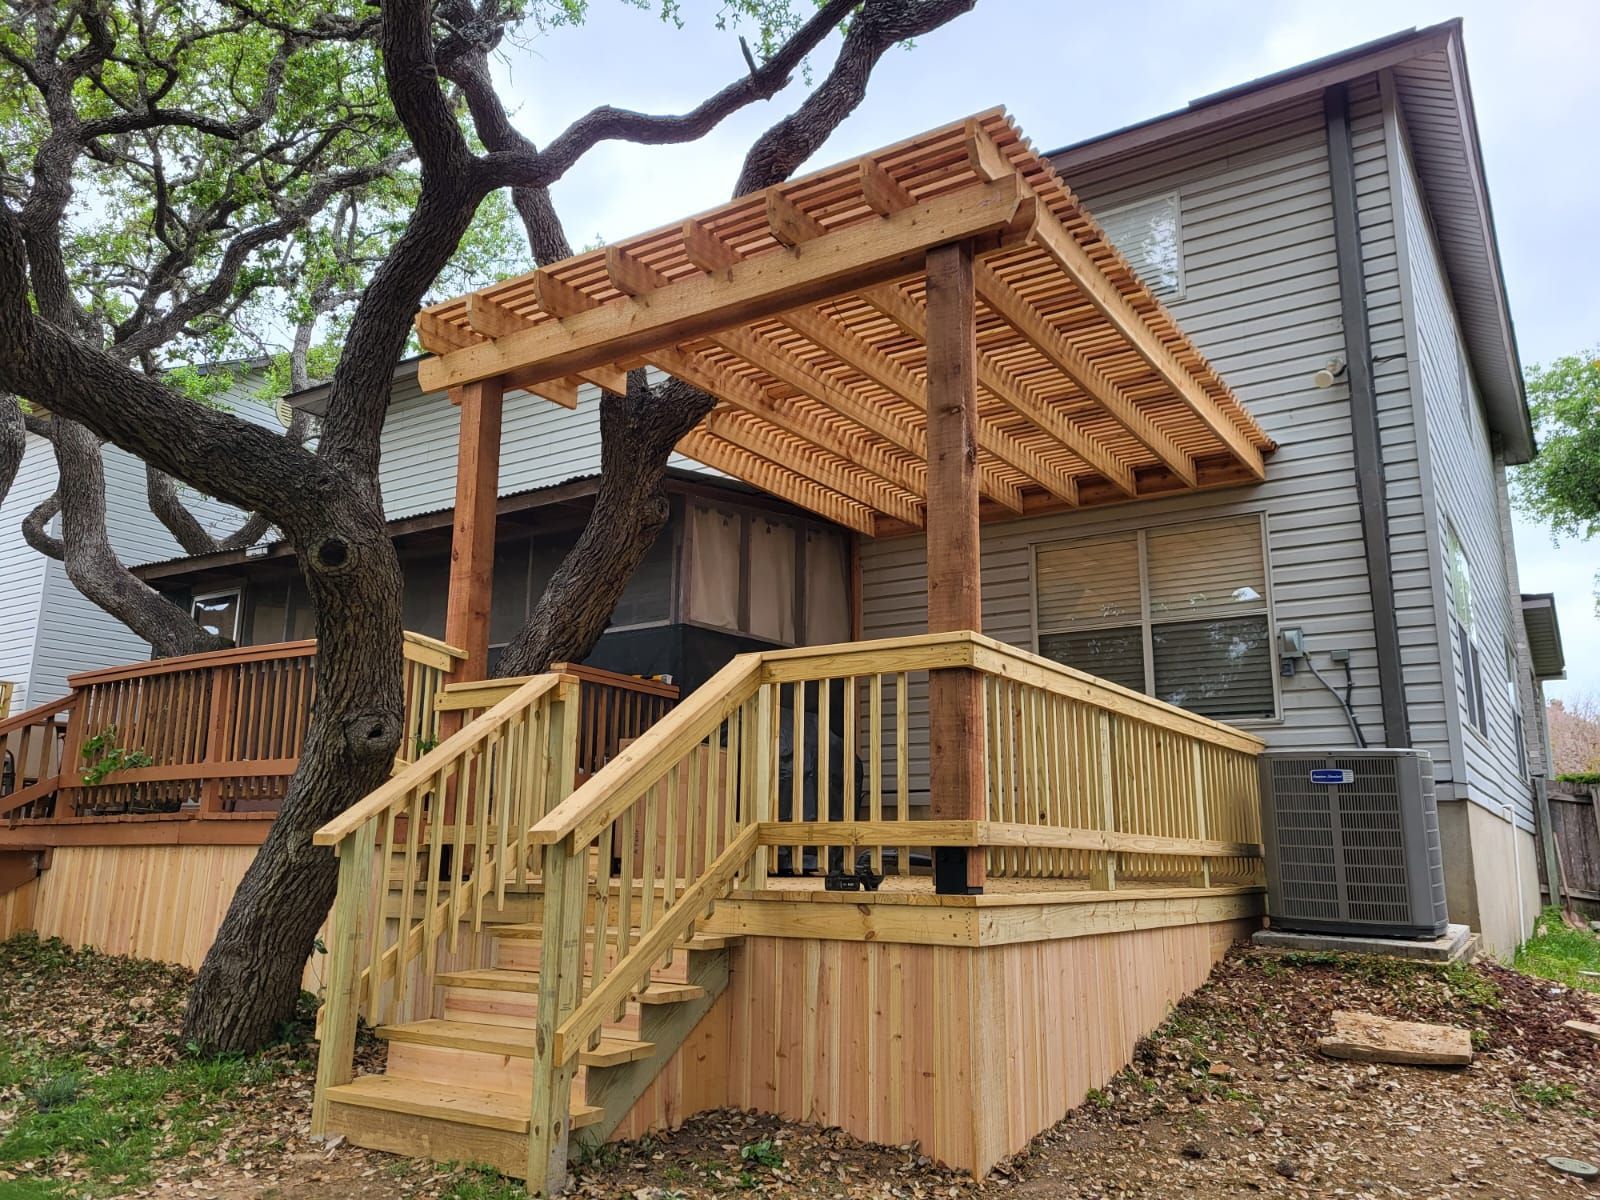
[1561,487]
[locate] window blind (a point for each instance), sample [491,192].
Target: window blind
[1219,669]
[1204,570]
[1113,654]
[1095,581]
[1149,236]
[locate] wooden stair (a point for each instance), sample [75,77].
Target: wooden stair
[458,1087]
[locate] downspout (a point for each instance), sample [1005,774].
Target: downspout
[1370,488]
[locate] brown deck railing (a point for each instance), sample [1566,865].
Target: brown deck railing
[211,735]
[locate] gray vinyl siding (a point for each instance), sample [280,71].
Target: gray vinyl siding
[22,572]
[541,444]
[1262,302]
[1462,478]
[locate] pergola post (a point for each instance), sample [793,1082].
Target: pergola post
[955,696]
[466,623]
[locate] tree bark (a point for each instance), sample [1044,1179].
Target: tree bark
[13,443]
[91,560]
[250,979]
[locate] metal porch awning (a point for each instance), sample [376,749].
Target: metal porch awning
[802,309]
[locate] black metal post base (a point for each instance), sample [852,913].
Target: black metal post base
[950,872]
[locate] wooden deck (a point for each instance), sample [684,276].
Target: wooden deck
[1120,842]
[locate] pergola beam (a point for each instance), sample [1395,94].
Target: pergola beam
[909,476]
[890,375]
[1054,238]
[854,257]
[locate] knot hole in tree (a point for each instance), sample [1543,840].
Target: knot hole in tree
[373,735]
[333,555]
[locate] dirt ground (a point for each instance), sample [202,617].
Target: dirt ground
[1229,1098]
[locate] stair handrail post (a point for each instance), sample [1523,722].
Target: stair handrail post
[560,959]
[337,1048]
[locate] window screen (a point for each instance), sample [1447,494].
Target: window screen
[1178,612]
[647,600]
[1149,235]
[269,614]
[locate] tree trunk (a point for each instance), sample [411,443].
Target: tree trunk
[638,432]
[13,442]
[250,978]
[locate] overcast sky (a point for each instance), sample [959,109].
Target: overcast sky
[1068,71]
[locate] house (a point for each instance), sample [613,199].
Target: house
[1381,533]
[1043,497]
[48,629]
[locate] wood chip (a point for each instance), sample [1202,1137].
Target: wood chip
[1584,1027]
[1368,1038]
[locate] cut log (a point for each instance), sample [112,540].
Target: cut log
[1365,1037]
[1588,1028]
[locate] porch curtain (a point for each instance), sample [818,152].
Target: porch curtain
[712,596]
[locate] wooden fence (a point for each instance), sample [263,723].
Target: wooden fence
[1575,824]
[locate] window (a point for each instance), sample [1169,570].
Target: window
[1514,697]
[1149,235]
[1178,612]
[1458,579]
[218,614]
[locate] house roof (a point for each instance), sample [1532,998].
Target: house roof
[1429,70]
[804,308]
[1544,635]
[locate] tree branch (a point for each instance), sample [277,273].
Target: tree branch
[35,528]
[513,168]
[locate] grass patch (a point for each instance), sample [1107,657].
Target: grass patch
[1559,953]
[103,1134]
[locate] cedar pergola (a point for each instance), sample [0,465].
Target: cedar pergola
[916,339]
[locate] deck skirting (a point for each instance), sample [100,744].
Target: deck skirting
[967,1049]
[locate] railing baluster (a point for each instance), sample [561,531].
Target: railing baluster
[902,791]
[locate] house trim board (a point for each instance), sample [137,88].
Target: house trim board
[1364,436]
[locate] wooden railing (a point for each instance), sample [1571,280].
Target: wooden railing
[32,748]
[207,735]
[453,825]
[613,708]
[1086,784]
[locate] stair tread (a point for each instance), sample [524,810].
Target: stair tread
[504,1111]
[514,1041]
[533,931]
[501,979]
[469,1106]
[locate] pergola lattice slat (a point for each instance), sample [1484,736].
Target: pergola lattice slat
[801,309]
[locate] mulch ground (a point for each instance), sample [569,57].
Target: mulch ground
[1229,1098]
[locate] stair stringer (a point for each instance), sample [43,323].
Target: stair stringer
[617,1089]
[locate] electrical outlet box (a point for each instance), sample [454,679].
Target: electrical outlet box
[1341,656]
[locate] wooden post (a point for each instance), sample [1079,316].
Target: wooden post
[336,1053]
[472,537]
[560,965]
[955,696]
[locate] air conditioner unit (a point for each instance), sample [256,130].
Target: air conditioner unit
[1352,842]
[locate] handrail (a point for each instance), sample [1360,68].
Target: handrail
[376,803]
[33,715]
[192,662]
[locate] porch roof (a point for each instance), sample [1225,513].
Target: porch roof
[801,308]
